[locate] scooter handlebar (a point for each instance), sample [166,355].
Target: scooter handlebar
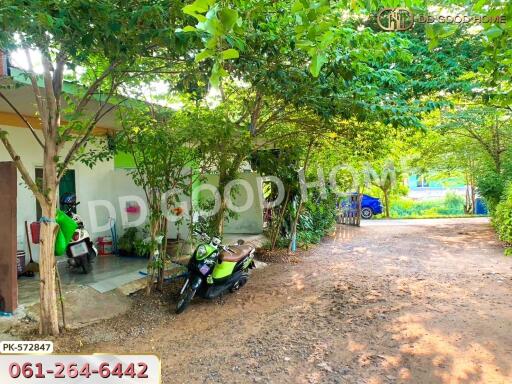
[202,235]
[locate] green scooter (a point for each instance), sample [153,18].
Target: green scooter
[215,269]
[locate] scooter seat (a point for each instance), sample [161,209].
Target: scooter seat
[236,253]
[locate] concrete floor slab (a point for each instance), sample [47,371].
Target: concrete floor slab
[109,272]
[84,305]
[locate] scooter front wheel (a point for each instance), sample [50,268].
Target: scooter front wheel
[185,299]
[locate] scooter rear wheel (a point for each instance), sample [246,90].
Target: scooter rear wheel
[87,261]
[185,299]
[86,266]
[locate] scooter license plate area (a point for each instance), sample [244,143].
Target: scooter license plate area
[204,269]
[79,249]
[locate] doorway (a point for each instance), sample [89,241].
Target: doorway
[67,185]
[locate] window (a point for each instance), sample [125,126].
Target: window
[422,182]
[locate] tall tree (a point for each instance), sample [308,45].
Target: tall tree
[161,144]
[110,40]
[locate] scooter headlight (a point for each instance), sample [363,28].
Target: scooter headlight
[201,250]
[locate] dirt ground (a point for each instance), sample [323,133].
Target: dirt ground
[420,301]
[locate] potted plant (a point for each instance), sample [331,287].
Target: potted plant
[129,243]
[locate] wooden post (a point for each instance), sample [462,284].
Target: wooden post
[8,238]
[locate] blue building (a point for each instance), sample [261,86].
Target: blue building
[425,187]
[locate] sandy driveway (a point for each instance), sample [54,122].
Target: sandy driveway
[421,301]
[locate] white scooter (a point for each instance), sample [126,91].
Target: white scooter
[81,251]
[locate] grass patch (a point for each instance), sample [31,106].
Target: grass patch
[451,206]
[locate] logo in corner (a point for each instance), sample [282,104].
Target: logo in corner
[395,19]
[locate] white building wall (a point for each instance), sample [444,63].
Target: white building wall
[434,193]
[91,184]
[249,221]
[103,182]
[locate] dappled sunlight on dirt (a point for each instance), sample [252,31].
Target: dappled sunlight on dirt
[389,302]
[298,281]
[354,346]
[453,358]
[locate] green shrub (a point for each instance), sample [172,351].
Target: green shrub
[502,219]
[128,240]
[491,186]
[451,205]
[318,218]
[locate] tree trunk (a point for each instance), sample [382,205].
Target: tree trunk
[49,319]
[163,254]
[473,197]
[191,210]
[280,220]
[468,207]
[386,203]
[294,226]
[220,216]
[154,226]
[299,209]
[49,324]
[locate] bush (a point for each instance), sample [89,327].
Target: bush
[317,219]
[502,219]
[491,186]
[452,205]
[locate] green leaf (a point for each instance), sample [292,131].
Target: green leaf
[317,61]
[198,6]
[189,28]
[447,30]
[203,55]
[217,72]
[230,54]
[433,44]
[493,32]
[191,12]
[429,31]
[478,6]
[297,6]
[439,31]
[228,18]
[215,75]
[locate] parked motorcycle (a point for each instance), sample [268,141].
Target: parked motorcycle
[215,269]
[81,251]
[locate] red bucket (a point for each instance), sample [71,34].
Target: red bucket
[35,231]
[105,246]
